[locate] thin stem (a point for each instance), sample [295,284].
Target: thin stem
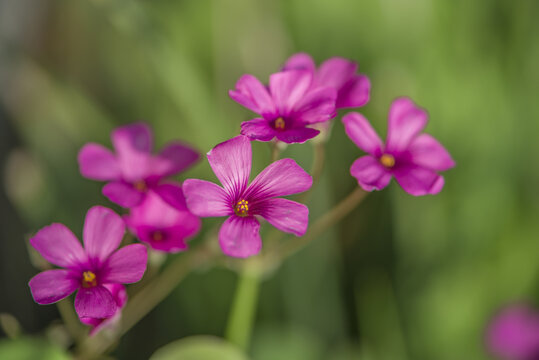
[275,151]
[319,156]
[241,319]
[70,319]
[323,223]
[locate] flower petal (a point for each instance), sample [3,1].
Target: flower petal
[103,231]
[298,135]
[253,95]
[288,88]
[286,215]
[98,163]
[133,137]
[370,174]
[240,236]
[172,194]
[122,194]
[231,163]
[417,181]
[51,286]
[258,129]
[281,178]
[360,131]
[125,266]
[406,120]
[427,152]
[174,158]
[59,246]
[336,72]
[300,61]
[354,93]
[316,106]
[96,302]
[206,199]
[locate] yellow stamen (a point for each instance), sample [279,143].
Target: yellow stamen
[279,123]
[140,185]
[242,208]
[387,160]
[88,279]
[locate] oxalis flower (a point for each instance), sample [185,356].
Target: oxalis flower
[353,90]
[287,106]
[133,170]
[231,162]
[513,334]
[413,158]
[87,269]
[162,220]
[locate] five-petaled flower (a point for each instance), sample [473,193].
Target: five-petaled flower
[353,90]
[133,170]
[231,162]
[163,220]
[513,333]
[87,269]
[413,158]
[287,106]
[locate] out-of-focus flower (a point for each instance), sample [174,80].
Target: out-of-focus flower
[87,269]
[413,158]
[162,220]
[287,106]
[120,297]
[353,90]
[513,334]
[133,170]
[231,162]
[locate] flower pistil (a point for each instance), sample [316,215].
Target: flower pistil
[89,279]
[387,160]
[242,208]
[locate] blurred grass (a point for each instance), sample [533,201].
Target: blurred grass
[402,277]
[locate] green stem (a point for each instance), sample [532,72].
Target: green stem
[70,319]
[322,224]
[241,319]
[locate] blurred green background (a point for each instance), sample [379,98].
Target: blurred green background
[400,277]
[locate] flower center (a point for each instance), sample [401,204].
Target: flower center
[88,279]
[387,160]
[279,123]
[158,235]
[140,185]
[242,208]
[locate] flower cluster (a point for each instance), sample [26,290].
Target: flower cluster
[298,101]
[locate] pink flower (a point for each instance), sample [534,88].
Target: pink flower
[231,162]
[353,90]
[163,220]
[120,298]
[514,334]
[133,170]
[286,107]
[87,269]
[413,158]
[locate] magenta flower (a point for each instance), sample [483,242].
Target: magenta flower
[514,334]
[163,220]
[413,158]
[353,90]
[87,270]
[120,298]
[231,162]
[133,170]
[286,107]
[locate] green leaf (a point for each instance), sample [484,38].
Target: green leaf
[199,348]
